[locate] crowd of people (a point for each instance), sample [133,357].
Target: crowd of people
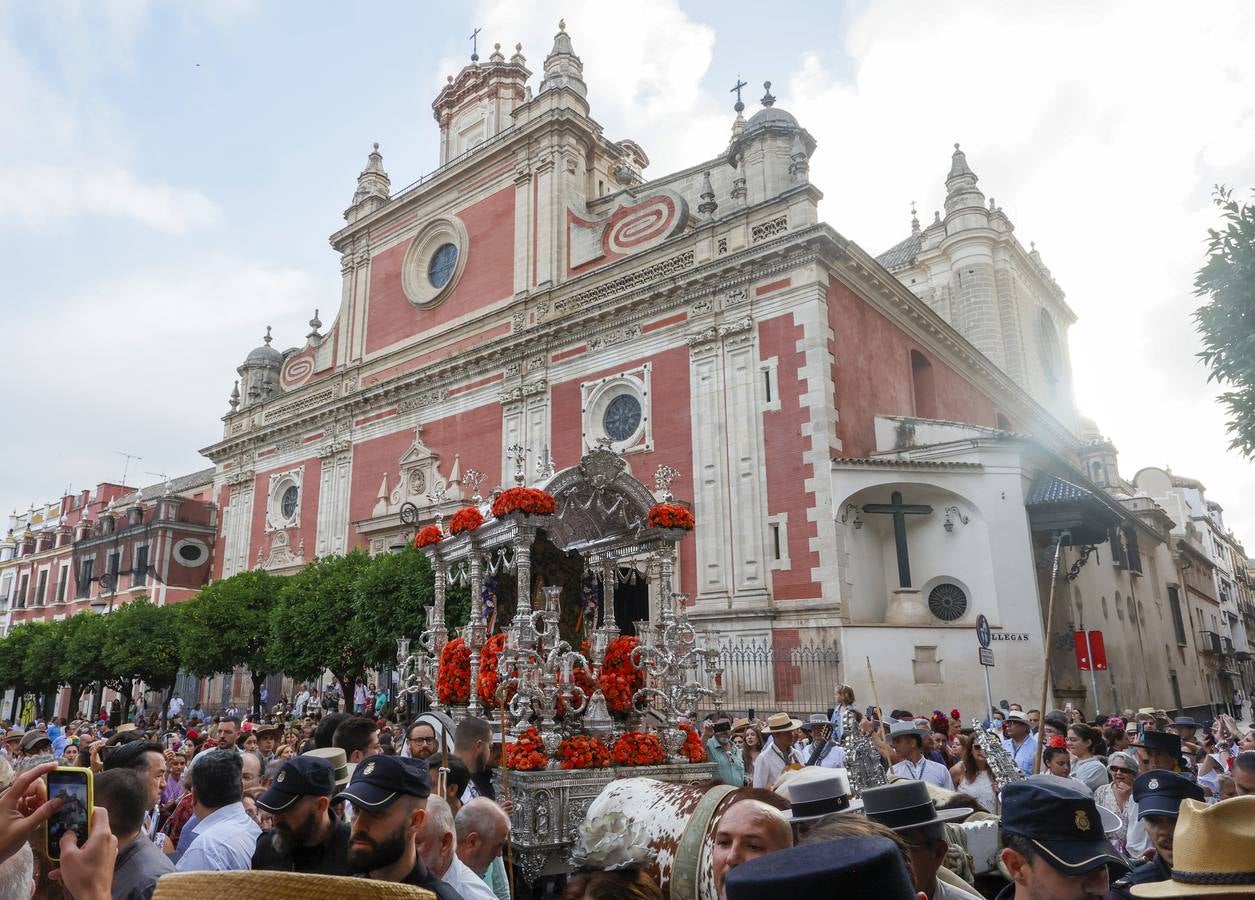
[1135,805]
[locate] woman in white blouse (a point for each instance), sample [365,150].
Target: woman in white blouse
[1086,746]
[972,775]
[1118,795]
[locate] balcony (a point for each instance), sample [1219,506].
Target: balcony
[1226,646]
[1209,642]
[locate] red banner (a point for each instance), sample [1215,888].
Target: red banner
[1082,654]
[1099,651]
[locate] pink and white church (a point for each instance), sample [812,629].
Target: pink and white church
[876,450]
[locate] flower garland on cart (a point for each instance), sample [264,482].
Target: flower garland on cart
[692,749]
[638,748]
[527,753]
[583,752]
[453,679]
[619,679]
[428,535]
[529,501]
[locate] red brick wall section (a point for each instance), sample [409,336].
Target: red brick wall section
[787,471]
[787,676]
[488,276]
[672,431]
[474,435]
[873,375]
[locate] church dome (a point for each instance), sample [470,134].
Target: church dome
[771,115]
[265,355]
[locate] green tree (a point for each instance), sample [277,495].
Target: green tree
[391,594]
[13,652]
[1226,322]
[40,668]
[143,643]
[228,624]
[81,658]
[313,623]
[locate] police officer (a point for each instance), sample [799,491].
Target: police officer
[1054,842]
[389,796]
[307,835]
[1158,794]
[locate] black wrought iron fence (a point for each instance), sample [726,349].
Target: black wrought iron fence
[798,680]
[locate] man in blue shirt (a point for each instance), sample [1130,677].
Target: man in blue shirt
[1020,742]
[225,835]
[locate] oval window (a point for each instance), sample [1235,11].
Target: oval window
[443,262]
[288,504]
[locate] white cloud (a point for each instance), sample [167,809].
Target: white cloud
[1099,129]
[73,158]
[36,195]
[644,70]
[174,334]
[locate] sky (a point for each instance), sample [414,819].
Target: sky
[170,173]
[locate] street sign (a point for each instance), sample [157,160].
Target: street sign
[1098,650]
[982,631]
[1082,650]
[986,656]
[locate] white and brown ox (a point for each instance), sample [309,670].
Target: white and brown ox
[679,821]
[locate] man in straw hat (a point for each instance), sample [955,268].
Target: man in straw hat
[307,836]
[908,746]
[1158,795]
[389,796]
[1213,852]
[907,809]
[772,761]
[1054,844]
[1019,740]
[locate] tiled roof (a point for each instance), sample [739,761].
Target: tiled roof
[1053,489]
[900,254]
[177,486]
[904,463]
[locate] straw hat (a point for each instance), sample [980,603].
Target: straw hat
[780,723]
[278,886]
[1212,849]
[739,725]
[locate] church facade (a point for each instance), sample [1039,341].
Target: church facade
[877,451]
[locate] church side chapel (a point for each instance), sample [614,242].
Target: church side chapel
[875,450]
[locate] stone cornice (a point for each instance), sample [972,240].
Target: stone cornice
[633,305]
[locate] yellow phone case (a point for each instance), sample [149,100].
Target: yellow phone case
[51,848]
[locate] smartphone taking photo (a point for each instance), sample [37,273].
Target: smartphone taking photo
[73,787]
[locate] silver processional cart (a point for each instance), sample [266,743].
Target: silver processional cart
[602,512]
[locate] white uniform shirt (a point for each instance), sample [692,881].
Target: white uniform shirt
[925,770]
[769,765]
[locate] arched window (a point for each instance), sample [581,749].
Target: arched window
[1105,613]
[1095,472]
[1119,607]
[922,388]
[1048,346]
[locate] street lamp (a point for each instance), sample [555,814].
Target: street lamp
[108,582]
